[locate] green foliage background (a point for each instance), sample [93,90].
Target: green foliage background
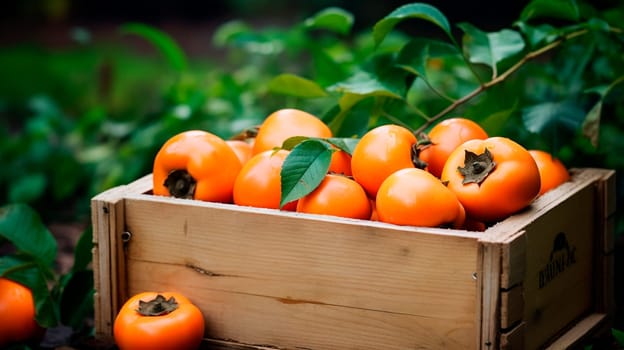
[78,120]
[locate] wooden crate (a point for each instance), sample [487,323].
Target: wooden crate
[266,278]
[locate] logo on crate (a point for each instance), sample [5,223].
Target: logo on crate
[562,256]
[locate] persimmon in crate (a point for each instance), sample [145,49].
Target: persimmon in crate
[542,277]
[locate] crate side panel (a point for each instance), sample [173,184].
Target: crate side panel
[296,324]
[584,329]
[107,217]
[605,197]
[102,297]
[513,339]
[107,221]
[299,259]
[489,303]
[512,307]
[559,266]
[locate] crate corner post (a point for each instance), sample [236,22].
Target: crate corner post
[107,215]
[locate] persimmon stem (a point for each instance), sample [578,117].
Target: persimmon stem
[158,306]
[181,184]
[500,78]
[476,167]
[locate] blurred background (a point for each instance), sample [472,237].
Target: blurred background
[89,90]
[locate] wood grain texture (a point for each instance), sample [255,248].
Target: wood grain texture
[513,339]
[490,273]
[605,265]
[513,260]
[107,215]
[512,307]
[334,271]
[580,331]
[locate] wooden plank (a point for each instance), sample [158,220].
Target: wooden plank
[608,191]
[581,330]
[513,260]
[107,215]
[513,339]
[489,278]
[104,216]
[288,323]
[216,344]
[581,179]
[605,264]
[560,265]
[561,297]
[512,307]
[340,257]
[306,260]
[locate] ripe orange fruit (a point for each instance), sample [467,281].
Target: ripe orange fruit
[285,123]
[153,320]
[492,178]
[259,183]
[445,137]
[17,314]
[552,171]
[415,197]
[380,152]
[340,163]
[243,149]
[339,196]
[196,164]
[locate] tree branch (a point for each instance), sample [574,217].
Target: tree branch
[498,79]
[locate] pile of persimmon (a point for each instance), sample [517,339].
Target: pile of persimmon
[456,175]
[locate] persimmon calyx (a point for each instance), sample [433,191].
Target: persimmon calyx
[476,167]
[415,154]
[423,141]
[158,306]
[181,184]
[246,134]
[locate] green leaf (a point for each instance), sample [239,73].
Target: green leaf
[604,90]
[561,9]
[613,16]
[415,55]
[591,123]
[327,70]
[598,24]
[415,10]
[82,251]
[25,270]
[333,18]
[367,84]
[494,123]
[351,115]
[76,303]
[618,335]
[346,144]
[293,141]
[293,85]
[539,35]
[161,41]
[490,48]
[551,116]
[304,169]
[22,226]
[224,34]
[28,188]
